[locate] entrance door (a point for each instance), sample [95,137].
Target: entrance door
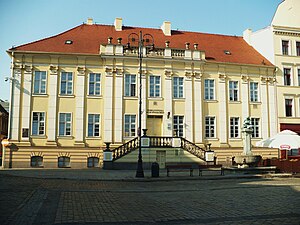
[154,125]
[161,159]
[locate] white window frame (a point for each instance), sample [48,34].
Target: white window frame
[291,75]
[66,122]
[68,83]
[256,128]
[208,90]
[94,125]
[254,92]
[39,121]
[234,127]
[293,106]
[180,126]
[40,83]
[130,84]
[95,82]
[178,87]
[233,90]
[130,126]
[155,86]
[210,127]
[289,48]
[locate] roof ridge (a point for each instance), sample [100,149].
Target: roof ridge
[43,39]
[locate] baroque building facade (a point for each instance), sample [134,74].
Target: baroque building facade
[280,44]
[73,92]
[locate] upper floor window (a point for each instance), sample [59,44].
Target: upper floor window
[285,47]
[94,84]
[129,125]
[233,91]
[288,107]
[255,127]
[297,48]
[65,124]
[234,127]
[66,83]
[209,89]
[154,86]
[178,125]
[210,126]
[93,125]
[130,85]
[287,76]
[38,123]
[177,87]
[39,82]
[253,91]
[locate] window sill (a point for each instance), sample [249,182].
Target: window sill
[255,103]
[93,138]
[94,96]
[66,96]
[210,101]
[130,97]
[39,95]
[38,136]
[235,139]
[235,102]
[65,137]
[179,99]
[155,98]
[211,139]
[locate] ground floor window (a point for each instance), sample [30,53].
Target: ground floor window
[36,161]
[93,162]
[255,127]
[234,127]
[63,161]
[210,127]
[178,125]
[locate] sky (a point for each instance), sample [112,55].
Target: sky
[24,21]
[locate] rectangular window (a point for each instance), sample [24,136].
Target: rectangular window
[65,124]
[234,127]
[255,127]
[130,85]
[298,48]
[177,87]
[93,125]
[287,76]
[38,123]
[253,92]
[209,89]
[39,86]
[66,83]
[288,107]
[94,84]
[233,90]
[129,125]
[209,126]
[154,86]
[298,77]
[285,47]
[178,125]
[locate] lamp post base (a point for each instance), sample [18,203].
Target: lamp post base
[140,171]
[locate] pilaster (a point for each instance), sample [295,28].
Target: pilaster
[188,88]
[118,101]
[245,96]
[264,108]
[222,94]
[167,129]
[272,107]
[198,123]
[108,109]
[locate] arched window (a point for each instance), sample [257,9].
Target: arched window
[63,161]
[93,162]
[36,161]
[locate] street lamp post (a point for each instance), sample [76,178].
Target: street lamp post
[140,171]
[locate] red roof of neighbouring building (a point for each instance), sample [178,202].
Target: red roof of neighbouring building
[86,39]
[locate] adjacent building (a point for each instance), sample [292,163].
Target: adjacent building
[75,91]
[280,44]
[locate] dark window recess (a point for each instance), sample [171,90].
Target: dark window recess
[25,132]
[288,107]
[36,161]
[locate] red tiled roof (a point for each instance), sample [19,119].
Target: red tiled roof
[87,39]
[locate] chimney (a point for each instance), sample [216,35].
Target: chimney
[89,21]
[118,24]
[166,28]
[247,36]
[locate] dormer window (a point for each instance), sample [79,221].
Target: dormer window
[227,52]
[68,42]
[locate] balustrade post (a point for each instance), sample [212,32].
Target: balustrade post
[107,157]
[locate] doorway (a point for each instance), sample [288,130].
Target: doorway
[154,125]
[161,159]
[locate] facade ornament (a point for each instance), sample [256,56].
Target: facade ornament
[81,70]
[187,45]
[264,79]
[168,73]
[244,78]
[119,41]
[188,74]
[53,69]
[196,46]
[222,77]
[119,71]
[27,68]
[167,44]
[197,75]
[109,39]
